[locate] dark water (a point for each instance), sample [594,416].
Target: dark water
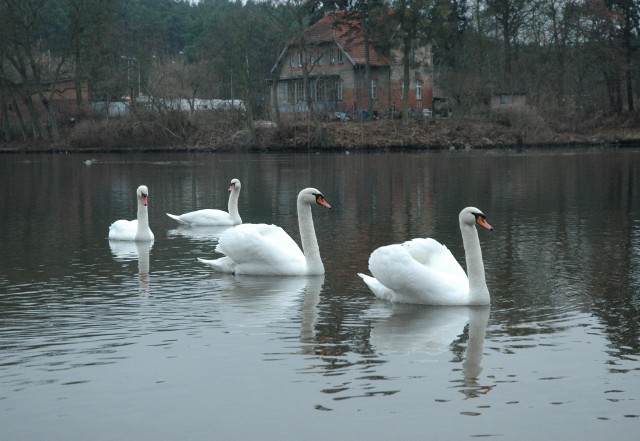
[109,341]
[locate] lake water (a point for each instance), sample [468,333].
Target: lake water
[108,341]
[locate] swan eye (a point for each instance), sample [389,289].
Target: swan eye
[321,201]
[481,220]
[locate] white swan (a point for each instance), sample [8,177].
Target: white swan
[260,249]
[137,229]
[210,216]
[424,271]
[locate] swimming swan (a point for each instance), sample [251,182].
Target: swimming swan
[424,271]
[209,216]
[137,229]
[260,249]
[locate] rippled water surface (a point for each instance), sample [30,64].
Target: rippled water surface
[108,341]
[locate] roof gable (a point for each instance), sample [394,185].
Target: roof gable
[345,29]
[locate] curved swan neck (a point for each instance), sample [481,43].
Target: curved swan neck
[478,291]
[232,206]
[308,237]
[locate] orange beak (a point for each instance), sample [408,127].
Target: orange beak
[483,223]
[232,186]
[143,198]
[320,200]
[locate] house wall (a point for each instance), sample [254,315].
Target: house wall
[422,74]
[354,95]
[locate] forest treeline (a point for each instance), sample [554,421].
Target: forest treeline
[575,60]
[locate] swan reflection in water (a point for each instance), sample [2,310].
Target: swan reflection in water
[259,301]
[411,329]
[124,251]
[198,233]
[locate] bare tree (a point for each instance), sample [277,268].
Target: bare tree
[510,18]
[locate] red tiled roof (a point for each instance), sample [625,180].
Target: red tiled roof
[345,28]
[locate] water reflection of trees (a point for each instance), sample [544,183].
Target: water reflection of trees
[565,223]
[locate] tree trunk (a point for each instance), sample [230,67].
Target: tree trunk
[367,68]
[20,120]
[78,79]
[36,123]
[275,105]
[47,103]
[248,97]
[406,80]
[4,108]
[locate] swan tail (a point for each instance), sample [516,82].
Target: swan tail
[223,264]
[377,288]
[173,216]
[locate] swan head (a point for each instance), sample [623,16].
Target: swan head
[235,185]
[472,215]
[312,195]
[143,194]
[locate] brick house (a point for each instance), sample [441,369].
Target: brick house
[333,53]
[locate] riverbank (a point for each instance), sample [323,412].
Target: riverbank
[429,133]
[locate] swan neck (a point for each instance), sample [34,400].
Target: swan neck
[232,206]
[308,238]
[143,220]
[478,291]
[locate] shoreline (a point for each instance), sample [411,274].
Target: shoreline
[383,135]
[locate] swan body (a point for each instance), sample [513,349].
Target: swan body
[424,271]
[137,229]
[261,249]
[212,217]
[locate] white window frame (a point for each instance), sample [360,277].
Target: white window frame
[340,90]
[374,89]
[419,85]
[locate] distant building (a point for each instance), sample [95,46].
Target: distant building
[333,51]
[508,100]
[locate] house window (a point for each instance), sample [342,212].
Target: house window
[374,89]
[300,59]
[319,58]
[292,59]
[419,90]
[340,88]
[332,58]
[340,60]
[295,92]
